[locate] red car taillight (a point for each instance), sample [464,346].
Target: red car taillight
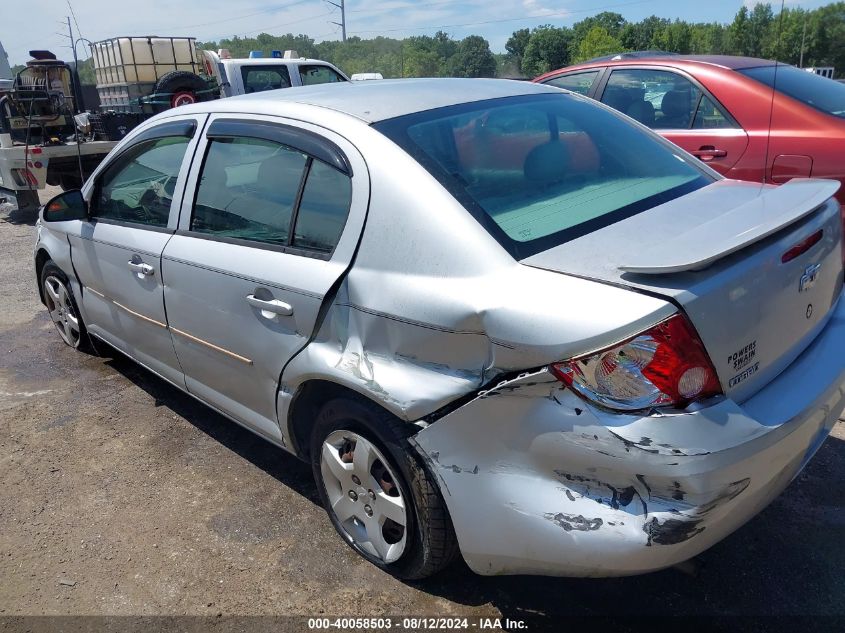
[665,366]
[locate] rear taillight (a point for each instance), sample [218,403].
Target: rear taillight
[665,366]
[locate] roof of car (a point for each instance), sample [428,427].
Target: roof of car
[731,62]
[373,101]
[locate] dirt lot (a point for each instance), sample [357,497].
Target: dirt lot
[122,496]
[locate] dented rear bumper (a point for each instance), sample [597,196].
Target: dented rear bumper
[539,482]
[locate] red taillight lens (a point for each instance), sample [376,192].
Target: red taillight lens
[665,366]
[802,247]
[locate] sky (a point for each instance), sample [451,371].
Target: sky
[42,24]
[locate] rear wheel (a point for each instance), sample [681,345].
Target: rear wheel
[379,498]
[62,307]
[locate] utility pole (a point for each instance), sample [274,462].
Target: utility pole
[803,33]
[342,23]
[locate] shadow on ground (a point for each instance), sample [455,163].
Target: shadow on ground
[787,563]
[22,217]
[282,466]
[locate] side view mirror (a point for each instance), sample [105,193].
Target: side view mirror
[69,205]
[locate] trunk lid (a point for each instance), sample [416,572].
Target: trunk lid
[718,252]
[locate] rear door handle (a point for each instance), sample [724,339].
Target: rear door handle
[708,153]
[270,307]
[141,268]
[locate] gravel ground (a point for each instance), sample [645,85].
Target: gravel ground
[122,496]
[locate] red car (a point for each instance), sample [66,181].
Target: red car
[721,109]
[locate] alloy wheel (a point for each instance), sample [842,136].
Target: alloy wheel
[61,310]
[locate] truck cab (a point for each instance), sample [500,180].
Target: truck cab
[257,73]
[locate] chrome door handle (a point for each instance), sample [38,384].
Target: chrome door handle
[707,153]
[272,306]
[141,268]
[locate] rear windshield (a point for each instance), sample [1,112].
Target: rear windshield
[816,91]
[537,171]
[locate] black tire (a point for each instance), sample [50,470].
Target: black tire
[51,271]
[431,544]
[180,82]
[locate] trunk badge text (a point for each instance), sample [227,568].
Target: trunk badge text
[808,279]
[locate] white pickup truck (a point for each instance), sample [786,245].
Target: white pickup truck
[255,74]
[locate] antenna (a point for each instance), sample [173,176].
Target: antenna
[774,85]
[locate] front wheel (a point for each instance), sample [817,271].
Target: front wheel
[379,498]
[62,307]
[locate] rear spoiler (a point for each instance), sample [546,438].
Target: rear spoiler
[774,209]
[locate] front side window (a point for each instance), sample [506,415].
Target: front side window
[256,189]
[138,187]
[535,186]
[576,82]
[662,100]
[261,78]
[807,87]
[318,74]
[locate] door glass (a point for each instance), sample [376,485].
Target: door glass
[578,82]
[323,210]
[138,187]
[261,78]
[311,75]
[708,116]
[660,99]
[248,189]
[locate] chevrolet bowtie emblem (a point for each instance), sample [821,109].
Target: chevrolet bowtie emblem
[808,279]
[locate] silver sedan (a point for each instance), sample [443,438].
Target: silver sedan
[498,319]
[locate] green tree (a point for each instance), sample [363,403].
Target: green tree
[760,29]
[674,37]
[515,46]
[473,58]
[739,33]
[597,42]
[642,36]
[547,49]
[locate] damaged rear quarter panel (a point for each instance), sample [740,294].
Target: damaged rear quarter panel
[433,308]
[537,481]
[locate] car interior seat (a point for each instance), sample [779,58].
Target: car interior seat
[642,111]
[675,107]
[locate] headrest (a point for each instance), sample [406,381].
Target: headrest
[547,163]
[642,111]
[676,103]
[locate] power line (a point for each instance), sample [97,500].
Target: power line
[73,14]
[275,26]
[482,23]
[247,15]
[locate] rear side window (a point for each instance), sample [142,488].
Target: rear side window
[577,82]
[248,190]
[323,209]
[256,190]
[311,75]
[539,170]
[662,100]
[261,78]
[808,88]
[138,186]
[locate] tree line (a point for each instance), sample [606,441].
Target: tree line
[796,36]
